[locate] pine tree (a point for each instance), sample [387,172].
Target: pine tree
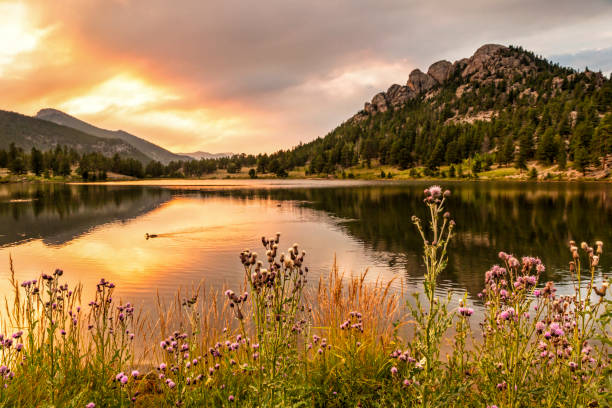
[581,160]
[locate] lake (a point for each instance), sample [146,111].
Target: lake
[94,231]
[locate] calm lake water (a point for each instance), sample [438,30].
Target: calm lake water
[94,231]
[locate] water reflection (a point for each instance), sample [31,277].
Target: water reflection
[95,231]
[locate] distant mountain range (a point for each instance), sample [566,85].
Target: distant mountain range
[51,127]
[151,150]
[27,132]
[206,155]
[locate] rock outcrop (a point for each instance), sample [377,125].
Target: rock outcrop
[440,71]
[420,82]
[491,63]
[398,95]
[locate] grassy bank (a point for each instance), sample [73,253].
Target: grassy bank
[279,341]
[377,171]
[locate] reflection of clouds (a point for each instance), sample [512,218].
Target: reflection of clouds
[198,239]
[201,230]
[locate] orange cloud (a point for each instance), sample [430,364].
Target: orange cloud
[225,76]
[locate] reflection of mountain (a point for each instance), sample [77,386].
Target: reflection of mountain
[58,213]
[524,219]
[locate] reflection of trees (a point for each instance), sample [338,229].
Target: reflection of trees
[521,218]
[57,213]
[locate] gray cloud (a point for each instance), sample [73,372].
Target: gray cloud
[263,54]
[600,59]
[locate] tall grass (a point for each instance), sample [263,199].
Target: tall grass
[277,341]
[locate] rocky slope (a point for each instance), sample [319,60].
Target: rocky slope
[490,64]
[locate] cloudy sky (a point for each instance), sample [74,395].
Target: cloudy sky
[253,76]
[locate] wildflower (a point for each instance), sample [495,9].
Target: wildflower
[513,262]
[135,373]
[435,191]
[556,330]
[124,380]
[90,405]
[393,370]
[171,384]
[231,398]
[507,314]
[465,311]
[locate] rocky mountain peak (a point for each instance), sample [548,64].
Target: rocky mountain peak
[490,62]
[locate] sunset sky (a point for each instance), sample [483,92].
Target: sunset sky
[246,76]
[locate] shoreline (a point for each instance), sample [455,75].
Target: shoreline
[536,173]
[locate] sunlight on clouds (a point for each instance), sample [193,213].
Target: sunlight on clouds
[17,35]
[353,79]
[193,127]
[122,92]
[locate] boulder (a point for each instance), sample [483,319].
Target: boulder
[440,71]
[398,95]
[379,102]
[420,82]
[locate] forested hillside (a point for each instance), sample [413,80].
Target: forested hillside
[503,105]
[26,132]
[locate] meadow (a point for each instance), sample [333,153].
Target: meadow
[280,341]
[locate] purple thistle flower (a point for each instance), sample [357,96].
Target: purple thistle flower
[435,191]
[556,330]
[393,370]
[231,398]
[465,311]
[124,380]
[90,405]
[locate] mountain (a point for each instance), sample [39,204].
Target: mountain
[27,132]
[206,155]
[502,105]
[149,149]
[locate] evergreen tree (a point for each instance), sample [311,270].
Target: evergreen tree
[547,147]
[36,161]
[508,151]
[581,160]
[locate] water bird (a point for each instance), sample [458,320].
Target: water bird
[147,235]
